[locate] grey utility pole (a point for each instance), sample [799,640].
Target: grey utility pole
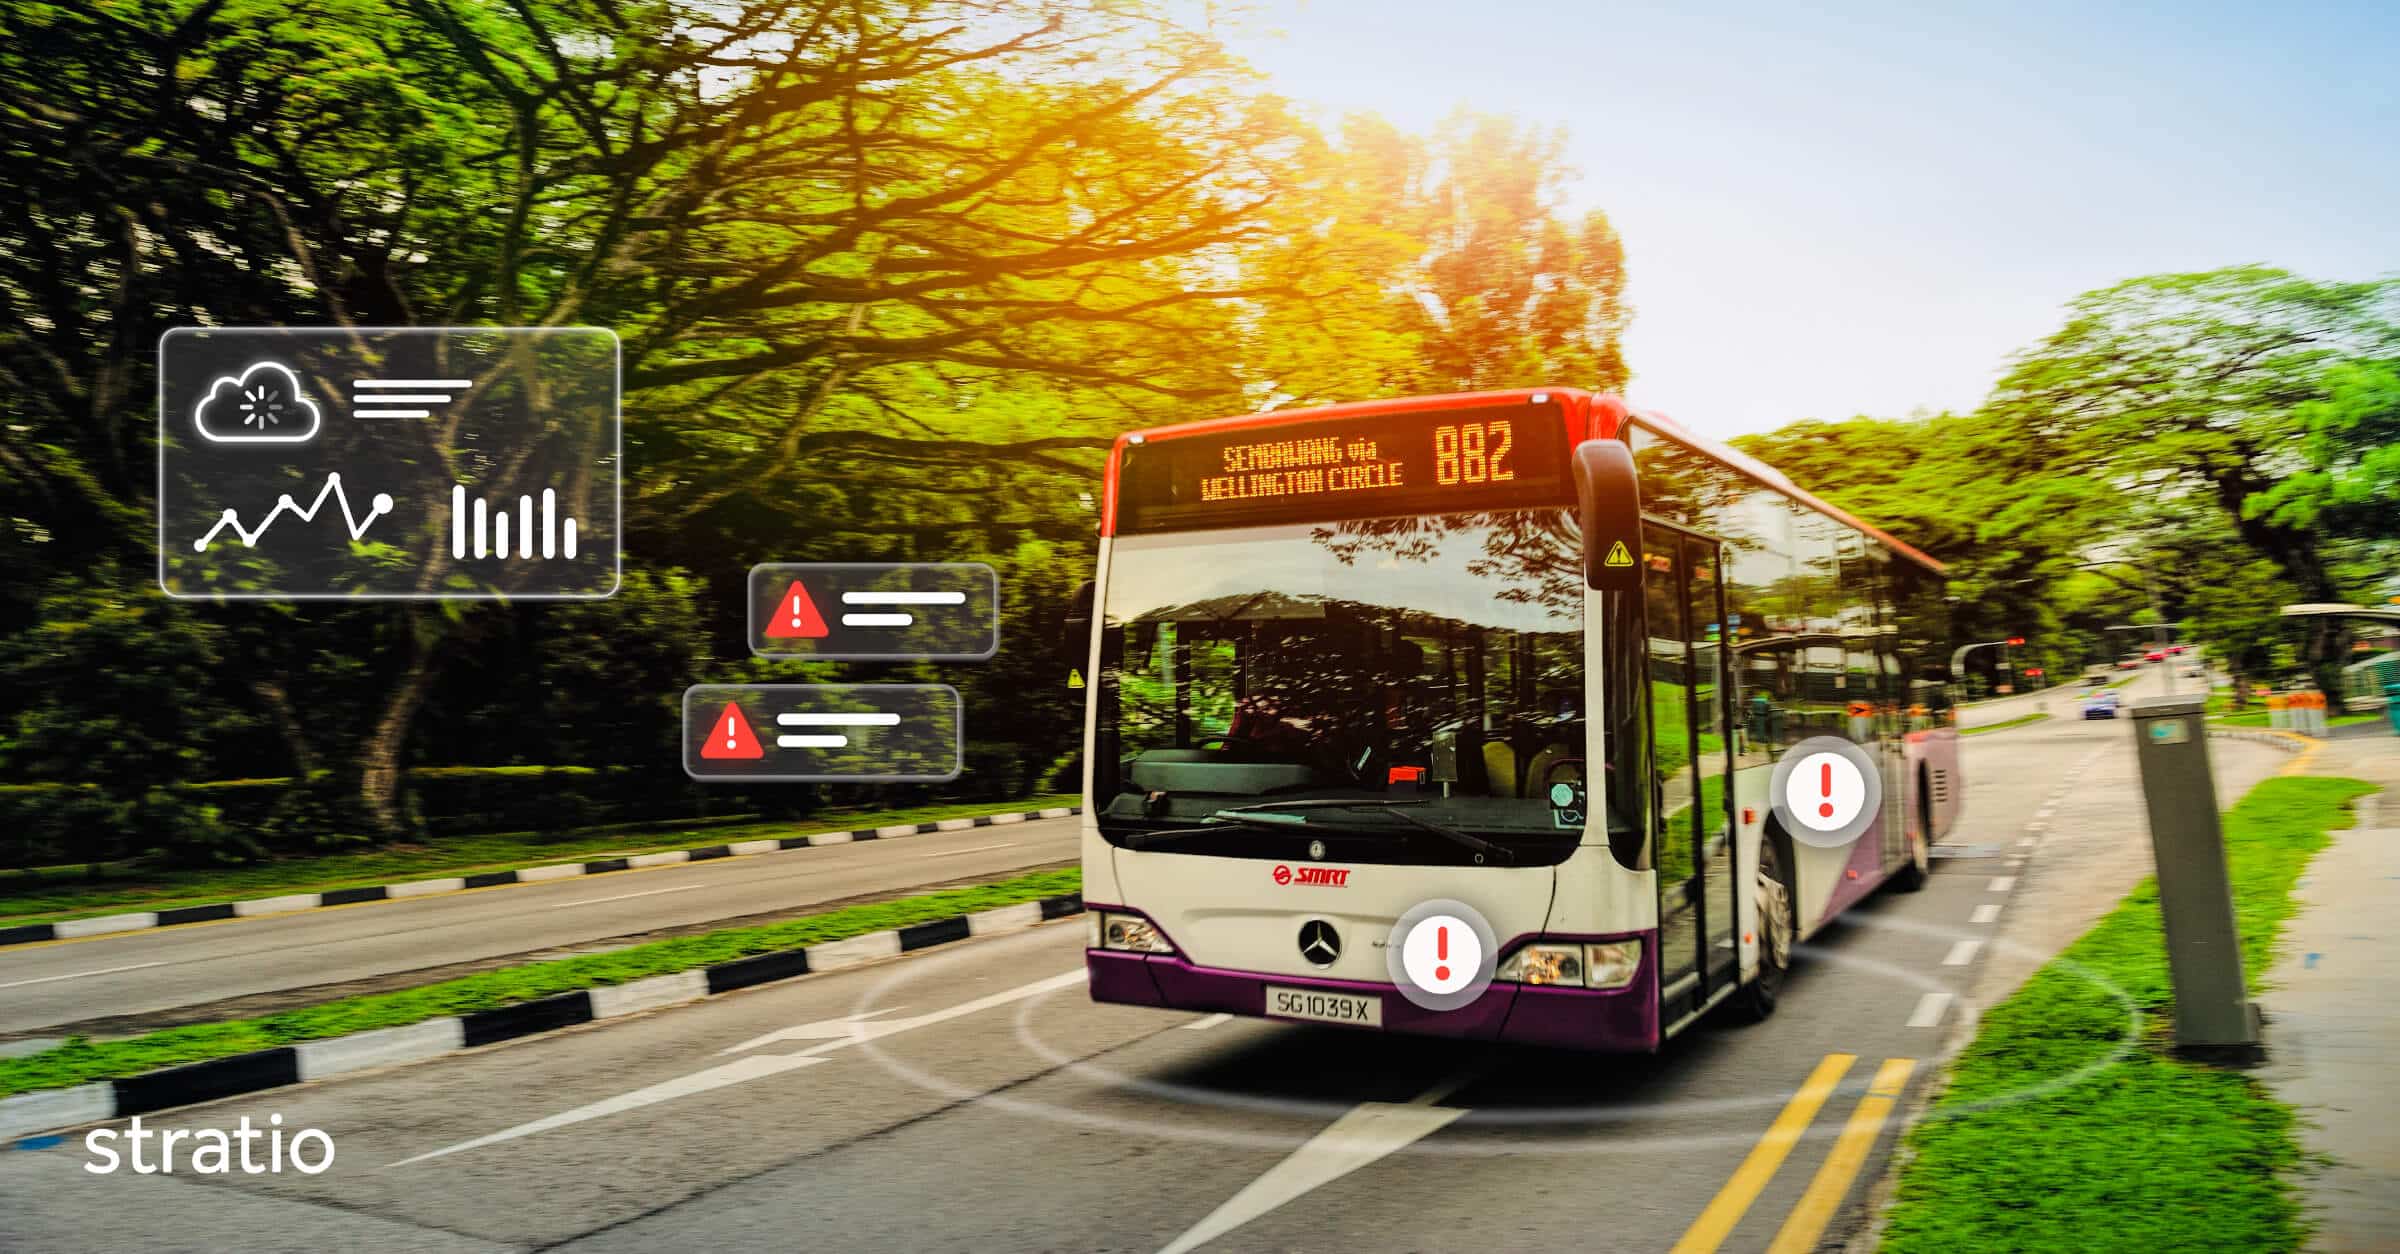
[2214,1017]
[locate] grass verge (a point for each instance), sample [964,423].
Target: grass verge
[56,893]
[2004,725]
[82,1061]
[2147,1151]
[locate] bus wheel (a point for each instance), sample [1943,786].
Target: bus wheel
[1912,877]
[1777,930]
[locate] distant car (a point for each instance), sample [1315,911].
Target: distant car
[2096,678]
[2129,663]
[2178,650]
[2192,672]
[2100,705]
[2155,655]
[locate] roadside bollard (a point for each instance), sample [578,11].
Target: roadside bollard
[2278,717]
[2214,1018]
[2391,705]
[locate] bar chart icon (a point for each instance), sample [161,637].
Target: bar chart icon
[481,528]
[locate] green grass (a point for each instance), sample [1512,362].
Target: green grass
[2147,1151]
[81,1061]
[55,893]
[2004,724]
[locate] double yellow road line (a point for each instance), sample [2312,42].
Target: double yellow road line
[1807,1222]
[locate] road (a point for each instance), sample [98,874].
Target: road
[971,1098]
[2065,700]
[137,973]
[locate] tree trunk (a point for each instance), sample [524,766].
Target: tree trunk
[381,756]
[2296,554]
[278,702]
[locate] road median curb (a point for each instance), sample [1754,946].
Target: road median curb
[29,1114]
[293,903]
[2289,742]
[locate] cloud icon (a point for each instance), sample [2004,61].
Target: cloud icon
[266,405]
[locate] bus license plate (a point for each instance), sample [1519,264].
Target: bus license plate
[1303,1003]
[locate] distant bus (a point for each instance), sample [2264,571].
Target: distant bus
[1353,659]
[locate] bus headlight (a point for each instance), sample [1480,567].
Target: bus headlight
[1611,965]
[1133,934]
[1543,964]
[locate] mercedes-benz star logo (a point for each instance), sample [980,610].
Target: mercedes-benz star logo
[1319,943]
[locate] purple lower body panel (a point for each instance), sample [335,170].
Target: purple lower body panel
[1621,1020]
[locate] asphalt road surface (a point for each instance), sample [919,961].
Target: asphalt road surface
[131,973]
[971,1098]
[2065,699]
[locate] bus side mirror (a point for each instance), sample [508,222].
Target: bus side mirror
[1609,501]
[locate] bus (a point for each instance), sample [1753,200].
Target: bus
[1525,650]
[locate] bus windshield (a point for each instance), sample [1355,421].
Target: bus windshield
[1437,659]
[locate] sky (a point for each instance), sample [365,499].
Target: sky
[1831,210]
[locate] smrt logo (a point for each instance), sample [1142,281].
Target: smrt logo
[1323,876]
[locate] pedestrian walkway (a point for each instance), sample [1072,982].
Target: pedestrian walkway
[2333,1008]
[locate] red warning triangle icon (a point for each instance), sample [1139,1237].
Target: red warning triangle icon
[795,617]
[731,737]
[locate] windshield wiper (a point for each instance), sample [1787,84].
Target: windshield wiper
[1267,813]
[1217,822]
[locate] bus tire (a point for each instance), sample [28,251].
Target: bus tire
[1779,931]
[1912,874]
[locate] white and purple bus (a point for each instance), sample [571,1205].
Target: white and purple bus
[1524,650]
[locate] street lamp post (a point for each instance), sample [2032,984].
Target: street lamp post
[1958,657]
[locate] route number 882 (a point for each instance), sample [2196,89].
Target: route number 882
[1472,452]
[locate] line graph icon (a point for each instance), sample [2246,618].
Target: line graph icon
[380,505]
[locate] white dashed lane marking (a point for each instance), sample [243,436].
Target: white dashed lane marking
[2002,883]
[1986,913]
[1929,1010]
[1961,953]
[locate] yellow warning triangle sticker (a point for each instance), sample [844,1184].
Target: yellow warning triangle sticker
[1075,678]
[1617,556]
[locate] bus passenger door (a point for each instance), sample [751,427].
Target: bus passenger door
[1691,758]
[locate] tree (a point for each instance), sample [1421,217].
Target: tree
[2350,438]
[825,231]
[122,714]
[2200,387]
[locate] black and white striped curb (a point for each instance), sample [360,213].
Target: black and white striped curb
[71,929]
[31,1113]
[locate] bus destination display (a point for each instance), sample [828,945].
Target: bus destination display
[1437,461]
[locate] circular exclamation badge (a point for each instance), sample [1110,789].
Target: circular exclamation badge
[1441,954]
[1827,791]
